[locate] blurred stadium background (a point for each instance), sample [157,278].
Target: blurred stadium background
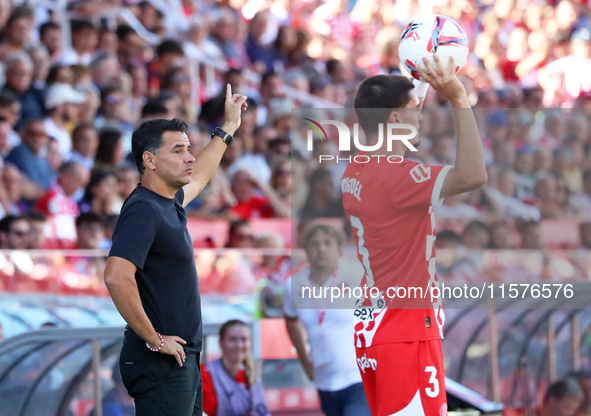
[78,76]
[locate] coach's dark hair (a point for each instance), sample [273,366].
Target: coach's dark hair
[326,229]
[148,138]
[567,387]
[380,93]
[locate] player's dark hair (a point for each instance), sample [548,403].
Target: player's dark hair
[326,229]
[380,93]
[568,387]
[148,138]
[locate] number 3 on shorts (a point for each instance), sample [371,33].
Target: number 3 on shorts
[432,392]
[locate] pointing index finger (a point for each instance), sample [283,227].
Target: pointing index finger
[228,91]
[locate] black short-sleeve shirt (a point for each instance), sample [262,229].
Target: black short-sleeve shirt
[152,234]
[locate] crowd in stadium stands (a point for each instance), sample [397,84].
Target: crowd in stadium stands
[67,114]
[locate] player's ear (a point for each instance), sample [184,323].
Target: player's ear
[393,118]
[149,161]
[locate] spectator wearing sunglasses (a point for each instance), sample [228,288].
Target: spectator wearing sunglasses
[14,233]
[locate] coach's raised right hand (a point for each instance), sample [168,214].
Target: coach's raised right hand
[173,345]
[234,106]
[444,80]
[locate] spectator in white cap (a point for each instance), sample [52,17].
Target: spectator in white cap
[61,104]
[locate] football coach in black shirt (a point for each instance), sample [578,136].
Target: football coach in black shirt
[151,273]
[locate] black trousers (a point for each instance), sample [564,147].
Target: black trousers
[159,386]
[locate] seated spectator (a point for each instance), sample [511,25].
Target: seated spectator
[279,148]
[130,46]
[41,65]
[548,198]
[37,223]
[321,202]
[58,200]
[61,101]
[475,236]
[90,231]
[101,195]
[252,204]
[127,180]
[169,53]
[442,151]
[10,111]
[271,273]
[500,237]
[50,36]
[504,201]
[531,236]
[84,145]
[447,239]
[563,397]
[240,235]
[19,79]
[54,156]
[14,233]
[13,182]
[110,151]
[222,34]
[281,179]
[84,41]
[28,156]
[17,30]
[260,55]
[524,164]
[229,383]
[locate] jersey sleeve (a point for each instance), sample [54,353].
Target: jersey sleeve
[416,185]
[134,233]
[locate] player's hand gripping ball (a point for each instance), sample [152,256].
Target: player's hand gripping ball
[429,35]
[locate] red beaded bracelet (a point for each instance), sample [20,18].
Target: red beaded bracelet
[161,344]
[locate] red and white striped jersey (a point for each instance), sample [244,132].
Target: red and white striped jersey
[390,207]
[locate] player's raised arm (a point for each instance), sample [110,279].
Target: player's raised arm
[469,172]
[208,161]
